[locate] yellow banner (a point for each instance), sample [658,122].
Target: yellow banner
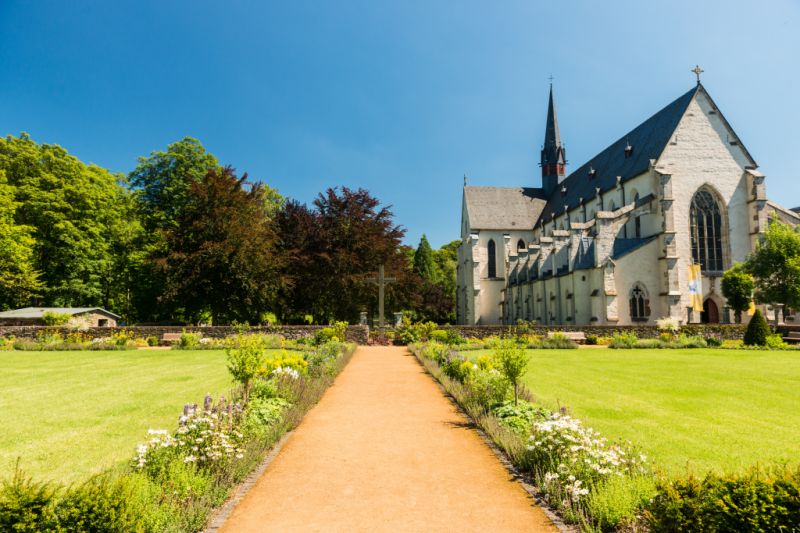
[752,308]
[695,287]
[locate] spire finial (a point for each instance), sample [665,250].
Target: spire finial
[465,179]
[697,71]
[551,79]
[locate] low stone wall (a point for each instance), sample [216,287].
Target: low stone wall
[720,331]
[357,334]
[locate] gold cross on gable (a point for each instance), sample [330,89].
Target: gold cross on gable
[697,71]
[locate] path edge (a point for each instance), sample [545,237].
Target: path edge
[222,514]
[525,480]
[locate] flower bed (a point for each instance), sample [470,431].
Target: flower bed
[177,477]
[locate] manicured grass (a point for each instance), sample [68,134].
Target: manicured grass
[67,415]
[723,410]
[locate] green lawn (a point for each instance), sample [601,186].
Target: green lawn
[67,415]
[705,409]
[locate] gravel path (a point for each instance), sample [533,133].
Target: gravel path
[384,450]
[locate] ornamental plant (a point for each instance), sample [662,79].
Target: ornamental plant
[512,362]
[757,330]
[245,358]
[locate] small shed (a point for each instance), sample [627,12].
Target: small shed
[34,316]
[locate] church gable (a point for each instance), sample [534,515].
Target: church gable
[704,139]
[501,208]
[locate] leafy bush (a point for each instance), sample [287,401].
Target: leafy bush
[324,335]
[591,340]
[617,501]
[623,340]
[245,356]
[775,341]
[750,502]
[26,505]
[189,340]
[281,362]
[97,505]
[152,341]
[262,413]
[411,333]
[519,418]
[51,318]
[557,341]
[439,335]
[713,342]
[649,343]
[685,341]
[486,387]
[512,361]
[757,330]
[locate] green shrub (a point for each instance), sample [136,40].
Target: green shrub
[649,343]
[685,341]
[512,361]
[713,342]
[245,356]
[189,340]
[439,335]
[591,339]
[457,368]
[97,505]
[750,502]
[623,340]
[411,333]
[51,318]
[557,341]
[520,417]
[340,330]
[775,341]
[262,413]
[618,500]
[757,330]
[26,505]
[486,387]
[325,335]
[152,341]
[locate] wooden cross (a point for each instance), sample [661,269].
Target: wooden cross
[697,71]
[381,281]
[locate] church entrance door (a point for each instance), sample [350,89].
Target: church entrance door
[710,314]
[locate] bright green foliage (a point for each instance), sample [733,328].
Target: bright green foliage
[51,318]
[423,259]
[519,417]
[512,361]
[19,281]
[754,501]
[775,265]
[757,330]
[738,287]
[245,358]
[163,179]
[71,207]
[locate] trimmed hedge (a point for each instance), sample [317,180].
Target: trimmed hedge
[753,502]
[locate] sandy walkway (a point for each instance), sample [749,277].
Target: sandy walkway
[385,451]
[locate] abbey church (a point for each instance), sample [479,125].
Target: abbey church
[612,242]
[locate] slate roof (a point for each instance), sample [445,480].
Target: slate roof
[503,208]
[648,141]
[38,312]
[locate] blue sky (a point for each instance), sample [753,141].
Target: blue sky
[402,98]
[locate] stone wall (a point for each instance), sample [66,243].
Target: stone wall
[357,334]
[720,331]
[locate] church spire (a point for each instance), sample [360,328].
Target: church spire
[554,157]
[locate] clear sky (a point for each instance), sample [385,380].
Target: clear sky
[402,97]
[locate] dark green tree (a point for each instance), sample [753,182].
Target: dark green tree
[775,265]
[757,330]
[423,260]
[222,259]
[737,287]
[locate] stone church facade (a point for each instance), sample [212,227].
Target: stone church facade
[611,243]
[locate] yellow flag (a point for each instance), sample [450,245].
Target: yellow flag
[752,308]
[695,287]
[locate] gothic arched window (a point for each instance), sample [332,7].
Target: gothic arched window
[705,219]
[640,304]
[520,244]
[492,259]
